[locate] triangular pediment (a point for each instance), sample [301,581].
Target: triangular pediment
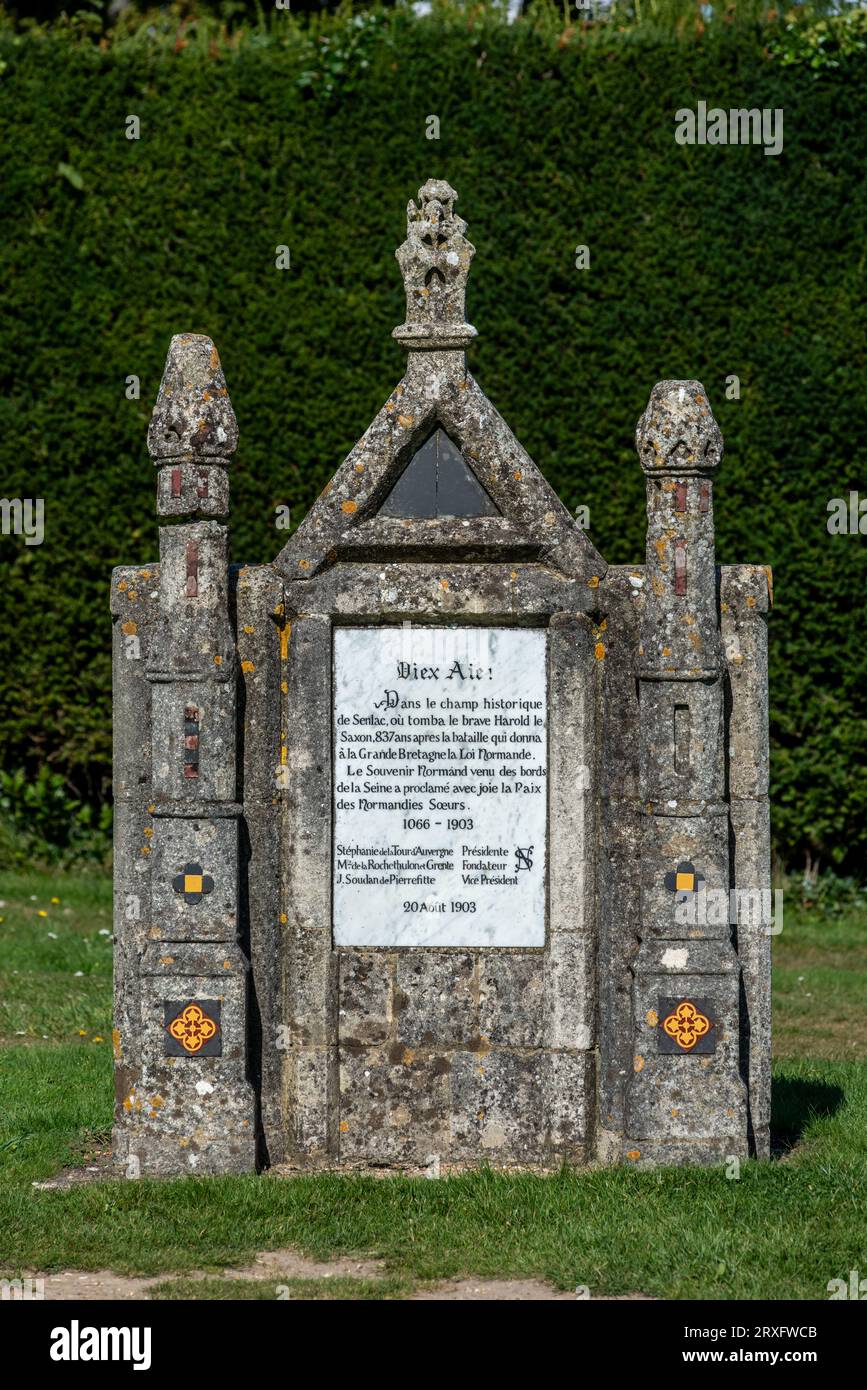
[366,511]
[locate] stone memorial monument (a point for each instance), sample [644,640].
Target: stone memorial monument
[439,840]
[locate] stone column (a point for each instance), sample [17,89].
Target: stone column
[745,597]
[686,1100]
[190,1106]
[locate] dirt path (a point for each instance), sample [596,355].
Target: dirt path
[277,1265]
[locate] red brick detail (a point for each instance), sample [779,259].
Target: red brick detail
[680,566]
[192,569]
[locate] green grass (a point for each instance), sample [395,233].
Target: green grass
[820,986]
[55,968]
[782,1230]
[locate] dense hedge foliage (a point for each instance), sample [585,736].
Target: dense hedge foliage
[705,261]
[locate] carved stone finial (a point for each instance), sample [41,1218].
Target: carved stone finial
[193,417]
[435,262]
[677,433]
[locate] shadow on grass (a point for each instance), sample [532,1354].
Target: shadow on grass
[795,1103]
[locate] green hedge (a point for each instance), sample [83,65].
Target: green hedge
[704,262]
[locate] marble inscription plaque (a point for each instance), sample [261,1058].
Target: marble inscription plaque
[440,786]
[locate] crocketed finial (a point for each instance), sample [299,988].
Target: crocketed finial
[193,416]
[435,261]
[677,432]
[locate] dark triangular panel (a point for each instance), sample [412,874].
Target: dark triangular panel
[438,482]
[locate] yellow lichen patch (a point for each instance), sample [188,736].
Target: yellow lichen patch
[215,360]
[405,421]
[751,603]
[638,1064]
[444,583]
[349,506]
[249,630]
[115,1042]
[634,1154]
[344,1126]
[284,686]
[167,960]
[284,756]
[669,485]
[148,830]
[599,652]
[206,395]
[651,1017]
[359,468]
[283,918]
[675,1112]
[145,849]
[133,593]
[657,586]
[666,651]
[593,581]
[769,575]
[122,586]
[144,574]
[130,629]
[227,965]
[218,660]
[285,634]
[660,546]
[248,667]
[408,1057]
[517,475]
[603,625]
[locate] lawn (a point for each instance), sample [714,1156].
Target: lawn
[781,1230]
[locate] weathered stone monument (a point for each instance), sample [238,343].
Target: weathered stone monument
[430,830]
